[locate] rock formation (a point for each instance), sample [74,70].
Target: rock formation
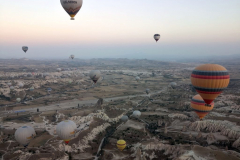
[236,144]
[99,103]
[174,150]
[226,128]
[211,138]
[199,135]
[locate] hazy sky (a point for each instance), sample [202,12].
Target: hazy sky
[123,28]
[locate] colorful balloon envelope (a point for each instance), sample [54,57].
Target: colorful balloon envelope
[198,105]
[72,7]
[210,80]
[121,144]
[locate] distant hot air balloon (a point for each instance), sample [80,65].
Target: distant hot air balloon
[137,78]
[72,56]
[20,84]
[95,75]
[124,118]
[18,99]
[156,37]
[25,48]
[66,130]
[198,105]
[59,69]
[71,7]
[23,135]
[9,84]
[31,89]
[12,88]
[173,85]
[136,114]
[49,89]
[210,80]
[121,144]
[147,91]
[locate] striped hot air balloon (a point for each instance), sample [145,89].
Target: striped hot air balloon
[198,105]
[210,80]
[121,144]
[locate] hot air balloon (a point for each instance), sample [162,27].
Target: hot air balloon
[49,89]
[95,75]
[72,56]
[210,80]
[23,135]
[71,7]
[9,84]
[20,84]
[137,78]
[66,130]
[31,89]
[156,37]
[147,91]
[59,69]
[198,105]
[173,85]
[12,88]
[25,48]
[18,99]
[121,144]
[124,118]
[136,114]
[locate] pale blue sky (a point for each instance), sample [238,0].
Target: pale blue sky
[125,29]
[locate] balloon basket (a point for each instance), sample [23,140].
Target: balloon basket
[208,105]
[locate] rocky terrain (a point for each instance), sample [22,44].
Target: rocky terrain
[40,95]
